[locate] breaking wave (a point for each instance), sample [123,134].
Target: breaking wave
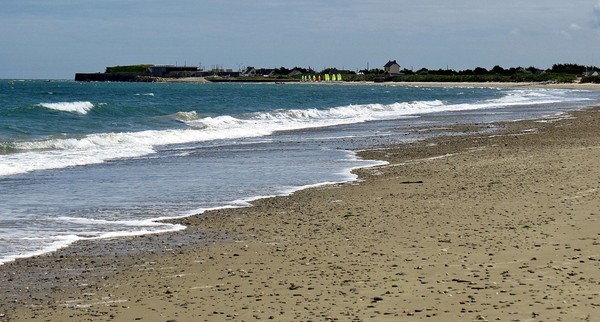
[53,153]
[71,107]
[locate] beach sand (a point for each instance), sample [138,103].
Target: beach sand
[478,227]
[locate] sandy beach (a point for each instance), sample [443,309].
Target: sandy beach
[475,227]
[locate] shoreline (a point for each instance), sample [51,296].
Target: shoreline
[585,86]
[378,248]
[204,80]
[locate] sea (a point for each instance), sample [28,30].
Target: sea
[84,161]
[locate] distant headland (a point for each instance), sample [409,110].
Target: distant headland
[390,72]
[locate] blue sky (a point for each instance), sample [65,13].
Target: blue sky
[55,39]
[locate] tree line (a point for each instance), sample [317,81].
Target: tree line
[560,73]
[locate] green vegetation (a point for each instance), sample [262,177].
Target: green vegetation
[129,69]
[559,73]
[518,77]
[591,79]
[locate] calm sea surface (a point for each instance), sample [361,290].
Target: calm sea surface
[96,160]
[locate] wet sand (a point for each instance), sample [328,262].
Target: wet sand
[471,228]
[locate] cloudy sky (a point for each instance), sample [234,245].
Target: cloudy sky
[56,38]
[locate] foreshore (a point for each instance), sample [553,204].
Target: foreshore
[475,227]
[582,86]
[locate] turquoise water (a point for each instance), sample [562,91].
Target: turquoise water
[97,160]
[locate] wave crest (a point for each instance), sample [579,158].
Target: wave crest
[185,116]
[281,120]
[71,107]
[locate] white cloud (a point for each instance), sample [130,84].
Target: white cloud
[575,27]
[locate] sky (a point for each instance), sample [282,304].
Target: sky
[54,39]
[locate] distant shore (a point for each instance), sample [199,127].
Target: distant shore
[87,77]
[590,86]
[500,85]
[468,228]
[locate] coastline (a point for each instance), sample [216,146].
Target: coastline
[469,227]
[582,86]
[205,80]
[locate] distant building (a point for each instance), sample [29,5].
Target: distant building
[295,72]
[267,72]
[392,68]
[249,72]
[253,72]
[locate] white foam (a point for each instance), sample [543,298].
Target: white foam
[185,116]
[103,222]
[49,244]
[140,232]
[528,96]
[64,156]
[54,244]
[260,124]
[72,107]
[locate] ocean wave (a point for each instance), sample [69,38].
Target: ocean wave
[282,120]
[71,107]
[101,147]
[6,148]
[184,116]
[527,96]
[98,148]
[57,154]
